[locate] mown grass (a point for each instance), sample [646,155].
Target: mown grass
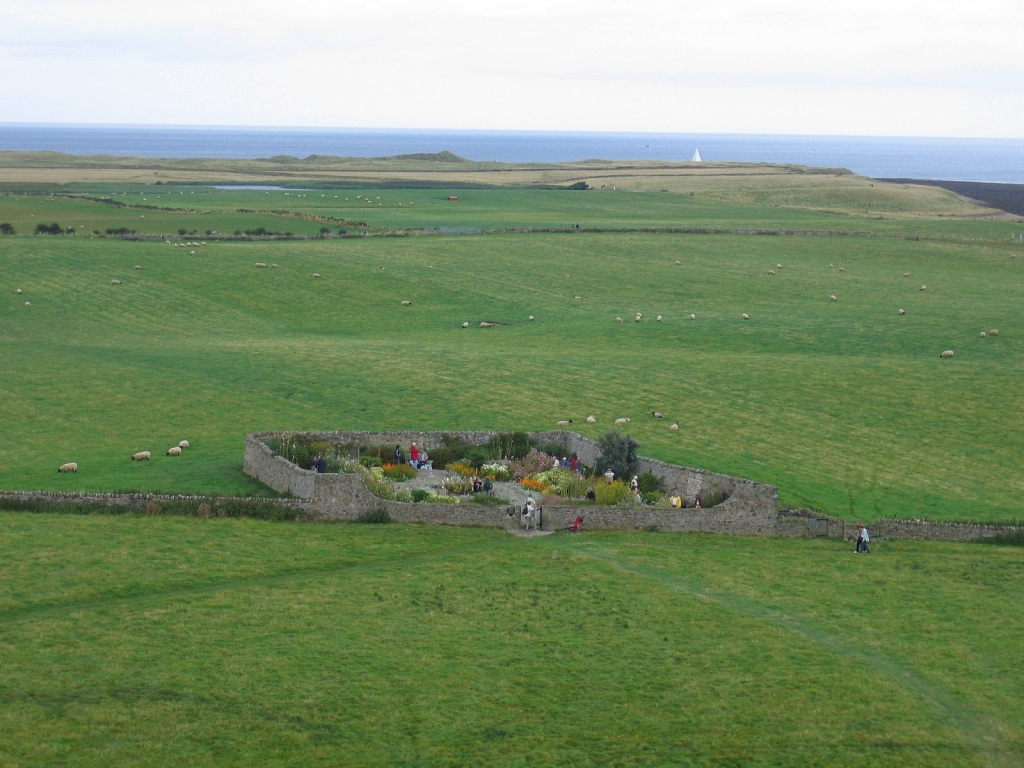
[237,642]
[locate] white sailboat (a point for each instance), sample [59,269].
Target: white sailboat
[696,156]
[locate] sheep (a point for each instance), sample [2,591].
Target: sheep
[902,312]
[203,243]
[637,319]
[771,271]
[563,423]
[778,266]
[168,242]
[316,274]
[618,319]
[260,265]
[675,425]
[993,332]
[906,274]
[485,324]
[174,451]
[947,353]
[137,266]
[830,266]
[982,335]
[924,287]
[657,415]
[842,269]
[465,325]
[693,316]
[183,444]
[69,467]
[744,316]
[622,421]
[591,420]
[191,253]
[115,282]
[640,315]
[577,298]
[658,318]
[678,262]
[833,298]
[274,266]
[141,456]
[406,303]
[28,303]
[18,290]
[530,318]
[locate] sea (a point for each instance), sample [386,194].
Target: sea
[951,159]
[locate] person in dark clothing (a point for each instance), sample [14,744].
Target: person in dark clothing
[591,496]
[319,464]
[398,455]
[488,486]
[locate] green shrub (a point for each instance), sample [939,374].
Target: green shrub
[400,472]
[509,445]
[371,461]
[1008,539]
[649,483]
[420,494]
[610,494]
[378,516]
[7,229]
[457,487]
[650,497]
[404,496]
[564,482]
[552,449]
[712,498]
[440,457]
[618,453]
[477,456]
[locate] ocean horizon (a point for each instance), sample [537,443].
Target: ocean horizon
[950,159]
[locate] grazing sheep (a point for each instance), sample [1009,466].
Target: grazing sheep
[69,467]
[203,243]
[530,318]
[675,425]
[465,325]
[260,265]
[947,353]
[906,274]
[274,266]
[115,282]
[141,456]
[406,303]
[191,253]
[924,287]
[833,298]
[28,303]
[622,421]
[18,290]
[778,266]
[982,334]
[591,420]
[744,316]
[902,312]
[316,274]
[771,271]
[640,315]
[138,266]
[830,266]
[485,324]
[577,297]
[678,262]
[637,319]
[658,318]
[993,332]
[618,319]
[183,444]
[657,415]
[842,269]
[563,423]
[175,451]
[168,242]
[693,317]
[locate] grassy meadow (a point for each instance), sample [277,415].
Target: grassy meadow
[844,405]
[241,642]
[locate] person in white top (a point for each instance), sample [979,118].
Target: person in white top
[863,539]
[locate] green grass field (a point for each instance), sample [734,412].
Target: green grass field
[237,642]
[845,405]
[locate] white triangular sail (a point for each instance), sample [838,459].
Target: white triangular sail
[696,156]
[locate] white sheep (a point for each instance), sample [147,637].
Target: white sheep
[591,420]
[657,415]
[744,316]
[618,319]
[28,303]
[637,319]
[18,290]
[947,353]
[183,444]
[115,282]
[485,324]
[924,287]
[274,266]
[833,298]
[842,269]
[678,262]
[693,316]
[141,456]
[563,423]
[830,266]
[577,297]
[191,253]
[174,451]
[203,243]
[465,325]
[778,266]
[530,318]
[260,265]
[771,271]
[994,332]
[406,303]
[658,318]
[982,334]
[906,274]
[622,421]
[902,312]
[316,274]
[168,242]
[675,425]
[69,467]
[137,266]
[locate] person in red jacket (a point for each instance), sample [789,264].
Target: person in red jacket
[414,456]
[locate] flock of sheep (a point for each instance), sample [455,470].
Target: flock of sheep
[591,419]
[174,450]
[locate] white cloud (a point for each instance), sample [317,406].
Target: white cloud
[936,68]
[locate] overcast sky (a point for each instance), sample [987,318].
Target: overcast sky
[930,68]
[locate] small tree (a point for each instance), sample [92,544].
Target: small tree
[182,232]
[324,231]
[7,229]
[618,453]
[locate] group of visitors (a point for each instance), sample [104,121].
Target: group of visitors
[417,459]
[573,464]
[484,486]
[678,502]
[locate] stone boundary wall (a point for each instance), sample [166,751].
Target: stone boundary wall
[137,500]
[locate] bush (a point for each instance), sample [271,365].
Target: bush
[371,461]
[564,483]
[509,445]
[440,458]
[534,462]
[477,456]
[457,487]
[649,483]
[650,497]
[420,494]
[49,229]
[118,231]
[461,468]
[404,496]
[495,471]
[534,485]
[399,472]
[610,494]
[712,498]
[1008,539]
[618,453]
[551,449]
[7,229]
[378,516]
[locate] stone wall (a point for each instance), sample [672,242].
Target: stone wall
[927,529]
[134,500]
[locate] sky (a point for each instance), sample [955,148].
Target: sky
[895,68]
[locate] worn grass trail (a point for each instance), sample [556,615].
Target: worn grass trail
[383,645]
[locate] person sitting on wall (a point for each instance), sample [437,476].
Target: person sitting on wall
[425,461]
[634,484]
[319,464]
[591,496]
[414,456]
[696,504]
[675,501]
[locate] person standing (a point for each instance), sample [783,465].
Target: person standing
[863,540]
[414,456]
[398,455]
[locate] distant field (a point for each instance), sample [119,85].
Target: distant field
[156,641]
[844,405]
